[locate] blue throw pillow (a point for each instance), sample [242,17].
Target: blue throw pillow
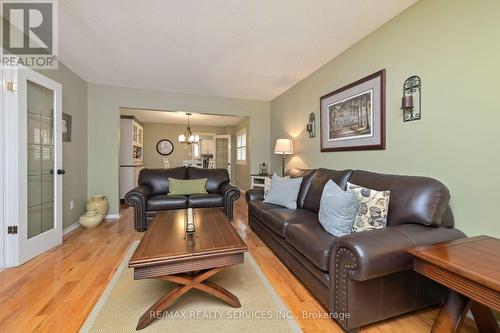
[284,191]
[337,210]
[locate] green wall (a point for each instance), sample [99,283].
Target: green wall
[74,102]
[454,46]
[104,127]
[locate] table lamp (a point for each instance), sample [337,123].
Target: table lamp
[283,147]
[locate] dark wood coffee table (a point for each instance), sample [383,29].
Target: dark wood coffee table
[470,268]
[166,252]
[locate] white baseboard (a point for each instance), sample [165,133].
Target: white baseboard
[112,216]
[70,228]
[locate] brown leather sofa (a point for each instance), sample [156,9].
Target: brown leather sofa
[366,275]
[151,195]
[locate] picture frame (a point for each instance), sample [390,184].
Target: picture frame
[353,117]
[66,127]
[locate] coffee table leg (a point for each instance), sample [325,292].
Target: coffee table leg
[452,314]
[161,305]
[484,318]
[219,292]
[187,282]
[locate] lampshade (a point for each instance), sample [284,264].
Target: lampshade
[283,146]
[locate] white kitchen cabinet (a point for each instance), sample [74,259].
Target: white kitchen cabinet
[131,141]
[207,147]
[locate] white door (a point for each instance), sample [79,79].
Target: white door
[33,164]
[223,152]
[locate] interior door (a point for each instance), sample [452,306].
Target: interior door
[34,171]
[223,152]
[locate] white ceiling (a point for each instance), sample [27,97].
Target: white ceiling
[170,117]
[232,48]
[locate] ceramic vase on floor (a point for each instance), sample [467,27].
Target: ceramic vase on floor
[90,219]
[98,203]
[97,209]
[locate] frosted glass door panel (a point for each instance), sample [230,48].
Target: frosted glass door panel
[221,153]
[40,149]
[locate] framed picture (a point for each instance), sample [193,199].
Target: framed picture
[66,127]
[353,117]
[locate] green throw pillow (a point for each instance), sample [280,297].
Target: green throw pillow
[187,186]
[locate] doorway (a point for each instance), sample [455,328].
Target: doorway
[223,152]
[162,146]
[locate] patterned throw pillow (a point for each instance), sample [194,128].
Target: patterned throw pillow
[267,185]
[373,207]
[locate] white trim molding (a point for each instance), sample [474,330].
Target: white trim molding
[112,216]
[70,228]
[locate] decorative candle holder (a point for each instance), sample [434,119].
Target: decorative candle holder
[311,125]
[189,221]
[412,86]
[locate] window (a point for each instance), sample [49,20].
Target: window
[241,147]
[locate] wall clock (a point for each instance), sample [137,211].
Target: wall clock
[164,147]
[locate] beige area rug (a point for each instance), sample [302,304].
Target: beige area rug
[126,299]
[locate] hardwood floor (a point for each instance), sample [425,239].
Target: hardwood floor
[56,291]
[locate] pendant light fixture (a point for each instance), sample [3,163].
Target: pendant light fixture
[188,137]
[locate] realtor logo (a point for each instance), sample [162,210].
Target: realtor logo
[29,34]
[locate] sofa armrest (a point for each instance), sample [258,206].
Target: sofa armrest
[376,253]
[254,194]
[138,198]
[143,192]
[230,193]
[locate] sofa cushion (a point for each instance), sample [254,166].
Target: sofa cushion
[278,219]
[162,201]
[257,207]
[319,180]
[205,200]
[414,199]
[310,239]
[215,177]
[157,179]
[307,176]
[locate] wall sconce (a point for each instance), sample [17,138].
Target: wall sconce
[311,125]
[411,87]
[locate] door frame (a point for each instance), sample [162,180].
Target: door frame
[229,150]
[3,224]
[17,249]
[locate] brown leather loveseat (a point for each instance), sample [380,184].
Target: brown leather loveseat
[363,277]
[151,195]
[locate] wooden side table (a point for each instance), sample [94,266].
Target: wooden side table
[470,268]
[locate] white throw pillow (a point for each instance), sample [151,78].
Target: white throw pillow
[284,192]
[373,207]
